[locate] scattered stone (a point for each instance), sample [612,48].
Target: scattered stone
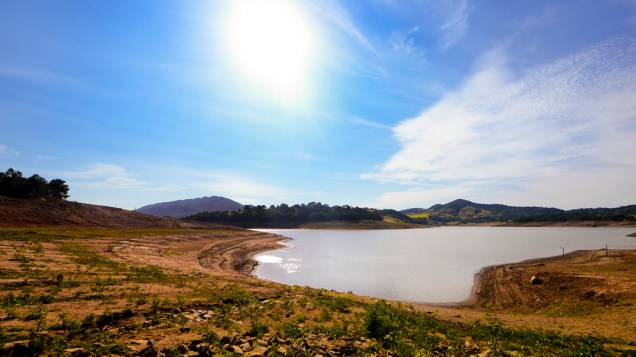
[258,352]
[184,329]
[535,280]
[182,348]
[149,351]
[15,344]
[245,346]
[237,349]
[74,352]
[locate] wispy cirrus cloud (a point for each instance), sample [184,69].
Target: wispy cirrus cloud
[528,132]
[111,177]
[456,22]
[34,74]
[369,123]
[4,150]
[404,42]
[243,188]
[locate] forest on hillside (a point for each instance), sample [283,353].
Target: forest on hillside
[619,214]
[285,216]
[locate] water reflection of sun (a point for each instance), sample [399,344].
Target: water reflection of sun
[271,43]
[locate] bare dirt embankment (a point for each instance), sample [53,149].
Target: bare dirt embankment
[586,292]
[60,213]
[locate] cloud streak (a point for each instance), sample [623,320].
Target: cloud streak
[558,122]
[111,177]
[5,151]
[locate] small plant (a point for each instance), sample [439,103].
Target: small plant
[290,330]
[257,329]
[21,258]
[37,312]
[210,337]
[239,297]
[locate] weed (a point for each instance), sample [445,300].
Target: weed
[257,329]
[239,297]
[21,258]
[290,330]
[147,274]
[37,312]
[210,337]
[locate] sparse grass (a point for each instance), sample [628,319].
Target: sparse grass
[134,300]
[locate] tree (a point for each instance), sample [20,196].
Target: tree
[37,186]
[58,189]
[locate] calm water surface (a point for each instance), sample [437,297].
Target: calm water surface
[419,265]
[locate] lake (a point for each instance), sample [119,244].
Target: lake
[434,265]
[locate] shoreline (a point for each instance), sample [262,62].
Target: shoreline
[190,274]
[574,293]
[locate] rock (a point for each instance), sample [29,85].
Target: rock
[74,352]
[149,351]
[194,345]
[15,345]
[182,348]
[237,349]
[246,346]
[258,352]
[262,342]
[535,280]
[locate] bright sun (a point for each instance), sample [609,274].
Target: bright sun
[271,42]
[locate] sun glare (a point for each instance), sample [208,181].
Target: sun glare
[271,43]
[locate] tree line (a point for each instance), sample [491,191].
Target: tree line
[14,184]
[619,214]
[285,216]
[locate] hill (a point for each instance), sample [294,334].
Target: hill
[464,211]
[188,207]
[61,213]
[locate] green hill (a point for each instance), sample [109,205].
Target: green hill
[462,211]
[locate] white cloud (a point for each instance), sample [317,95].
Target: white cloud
[418,197]
[456,24]
[111,177]
[337,15]
[34,74]
[4,150]
[246,190]
[369,123]
[553,126]
[403,41]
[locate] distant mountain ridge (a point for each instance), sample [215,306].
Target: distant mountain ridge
[464,211]
[188,207]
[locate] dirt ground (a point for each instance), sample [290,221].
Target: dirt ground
[583,292]
[171,298]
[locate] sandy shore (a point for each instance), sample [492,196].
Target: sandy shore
[170,286]
[224,253]
[576,289]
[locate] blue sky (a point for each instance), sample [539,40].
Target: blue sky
[388,104]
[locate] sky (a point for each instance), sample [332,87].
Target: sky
[381,103]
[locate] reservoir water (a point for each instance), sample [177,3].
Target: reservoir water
[419,265]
